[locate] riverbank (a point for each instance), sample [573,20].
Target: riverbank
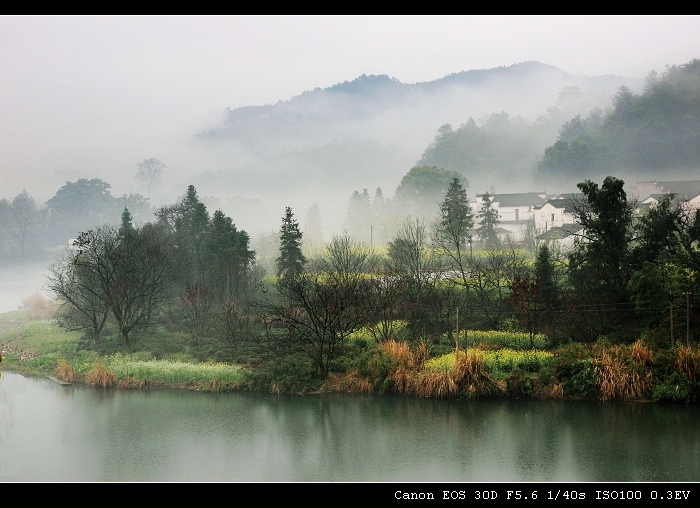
[634,372]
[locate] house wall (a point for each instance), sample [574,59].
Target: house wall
[549,216]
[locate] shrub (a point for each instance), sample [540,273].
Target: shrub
[101,376]
[65,371]
[573,369]
[292,373]
[624,372]
[678,388]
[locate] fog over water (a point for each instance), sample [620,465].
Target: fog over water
[19,282]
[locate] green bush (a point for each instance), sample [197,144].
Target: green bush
[376,365]
[678,388]
[293,373]
[520,384]
[578,378]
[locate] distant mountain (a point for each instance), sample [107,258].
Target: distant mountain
[325,143]
[361,108]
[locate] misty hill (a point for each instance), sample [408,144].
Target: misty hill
[323,144]
[652,135]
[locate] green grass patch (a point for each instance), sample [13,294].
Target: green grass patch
[496,361]
[496,339]
[174,372]
[38,337]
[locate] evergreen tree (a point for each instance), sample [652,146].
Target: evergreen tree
[191,226]
[545,280]
[456,217]
[127,226]
[227,253]
[291,261]
[360,216]
[600,265]
[488,221]
[314,225]
[456,220]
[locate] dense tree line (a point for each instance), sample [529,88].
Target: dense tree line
[195,272]
[614,283]
[187,267]
[27,228]
[656,131]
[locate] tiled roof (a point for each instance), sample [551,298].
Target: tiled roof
[559,233]
[565,201]
[520,199]
[684,190]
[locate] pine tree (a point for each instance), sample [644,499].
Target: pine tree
[191,227]
[291,261]
[456,217]
[127,226]
[488,220]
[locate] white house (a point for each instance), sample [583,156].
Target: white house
[686,192]
[555,220]
[515,211]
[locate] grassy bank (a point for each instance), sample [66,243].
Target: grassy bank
[34,345]
[496,364]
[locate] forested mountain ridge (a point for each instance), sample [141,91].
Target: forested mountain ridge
[525,89]
[325,143]
[653,135]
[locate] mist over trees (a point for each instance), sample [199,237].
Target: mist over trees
[647,135]
[547,141]
[406,264]
[325,143]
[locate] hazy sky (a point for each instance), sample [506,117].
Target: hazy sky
[91,96]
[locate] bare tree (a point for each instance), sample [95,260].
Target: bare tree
[83,305]
[324,305]
[491,277]
[125,272]
[150,171]
[420,268]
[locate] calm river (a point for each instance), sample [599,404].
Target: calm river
[50,432]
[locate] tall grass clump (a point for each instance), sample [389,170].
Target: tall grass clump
[405,363]
[688,362]
[456,374]
[624,372]
[101,376]
[65,371]
[677,375]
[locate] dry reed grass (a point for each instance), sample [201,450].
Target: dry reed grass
[553,390]
[435,384]
[65,371]
[407,363]
[132,384]
[349,382]
[688,361]
[468,376]
[101,376]
[624,373]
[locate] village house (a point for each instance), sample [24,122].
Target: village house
[687,193]
[555,220]
[551,217]
[515,212]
